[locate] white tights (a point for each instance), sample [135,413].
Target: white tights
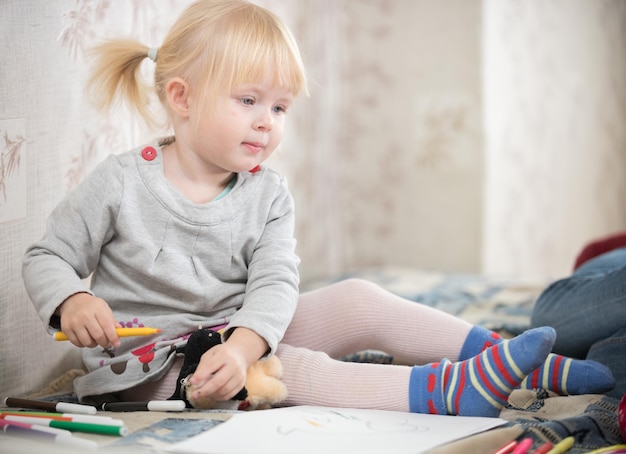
[344,318]
[355,315]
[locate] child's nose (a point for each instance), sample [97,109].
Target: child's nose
[264,122]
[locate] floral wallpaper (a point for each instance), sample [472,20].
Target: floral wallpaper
[445,135]
[12,170]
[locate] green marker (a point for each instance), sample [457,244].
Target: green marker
[103,429]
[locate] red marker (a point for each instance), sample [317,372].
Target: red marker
[523,446]
[544,448]
[507,448]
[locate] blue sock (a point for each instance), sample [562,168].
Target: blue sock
[481,385]
[558,373]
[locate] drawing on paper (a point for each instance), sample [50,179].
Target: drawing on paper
[337,422]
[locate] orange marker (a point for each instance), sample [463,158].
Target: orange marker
[121,332]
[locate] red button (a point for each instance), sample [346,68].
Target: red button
[255,169]
[148,153]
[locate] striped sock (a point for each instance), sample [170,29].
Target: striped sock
[567,376]
[479,386]
[558,373]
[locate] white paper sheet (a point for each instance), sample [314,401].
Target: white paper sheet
[309,429]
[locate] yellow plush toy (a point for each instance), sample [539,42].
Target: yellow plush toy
[263,387]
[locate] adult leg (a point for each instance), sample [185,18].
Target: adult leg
[612,353]
[586,307]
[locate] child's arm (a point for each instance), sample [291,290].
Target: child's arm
[54,268]
[88,321]
[222,370]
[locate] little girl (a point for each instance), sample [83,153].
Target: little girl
[191,230]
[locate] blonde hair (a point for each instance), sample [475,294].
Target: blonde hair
[214,46]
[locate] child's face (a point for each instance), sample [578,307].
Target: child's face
[245,127]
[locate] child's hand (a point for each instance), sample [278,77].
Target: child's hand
[220,374]
[88,321]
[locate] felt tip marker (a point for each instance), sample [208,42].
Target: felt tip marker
[563,446]
[523,446]
[7,426]
[121,332]
[103,429]
[152,405]
[45,434]
[544,448]
[65,417]
[507,448]
[61,407]
[610,450]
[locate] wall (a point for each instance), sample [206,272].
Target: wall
[390,135]
[386,159]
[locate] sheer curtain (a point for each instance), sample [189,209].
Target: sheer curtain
[555,114]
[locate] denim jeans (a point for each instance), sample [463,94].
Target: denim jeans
[588,312]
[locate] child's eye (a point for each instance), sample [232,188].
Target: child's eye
[247,101]
[280,109]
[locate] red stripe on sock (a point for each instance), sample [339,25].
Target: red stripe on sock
[459,388]
[535,379]
[487,381]
[431,408]
[502,368]
[555,373]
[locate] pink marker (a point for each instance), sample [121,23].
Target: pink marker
[523,446]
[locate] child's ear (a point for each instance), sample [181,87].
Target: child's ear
[177,92]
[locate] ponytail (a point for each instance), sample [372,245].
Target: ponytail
[116,77]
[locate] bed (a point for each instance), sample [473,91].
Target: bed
[499,303]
